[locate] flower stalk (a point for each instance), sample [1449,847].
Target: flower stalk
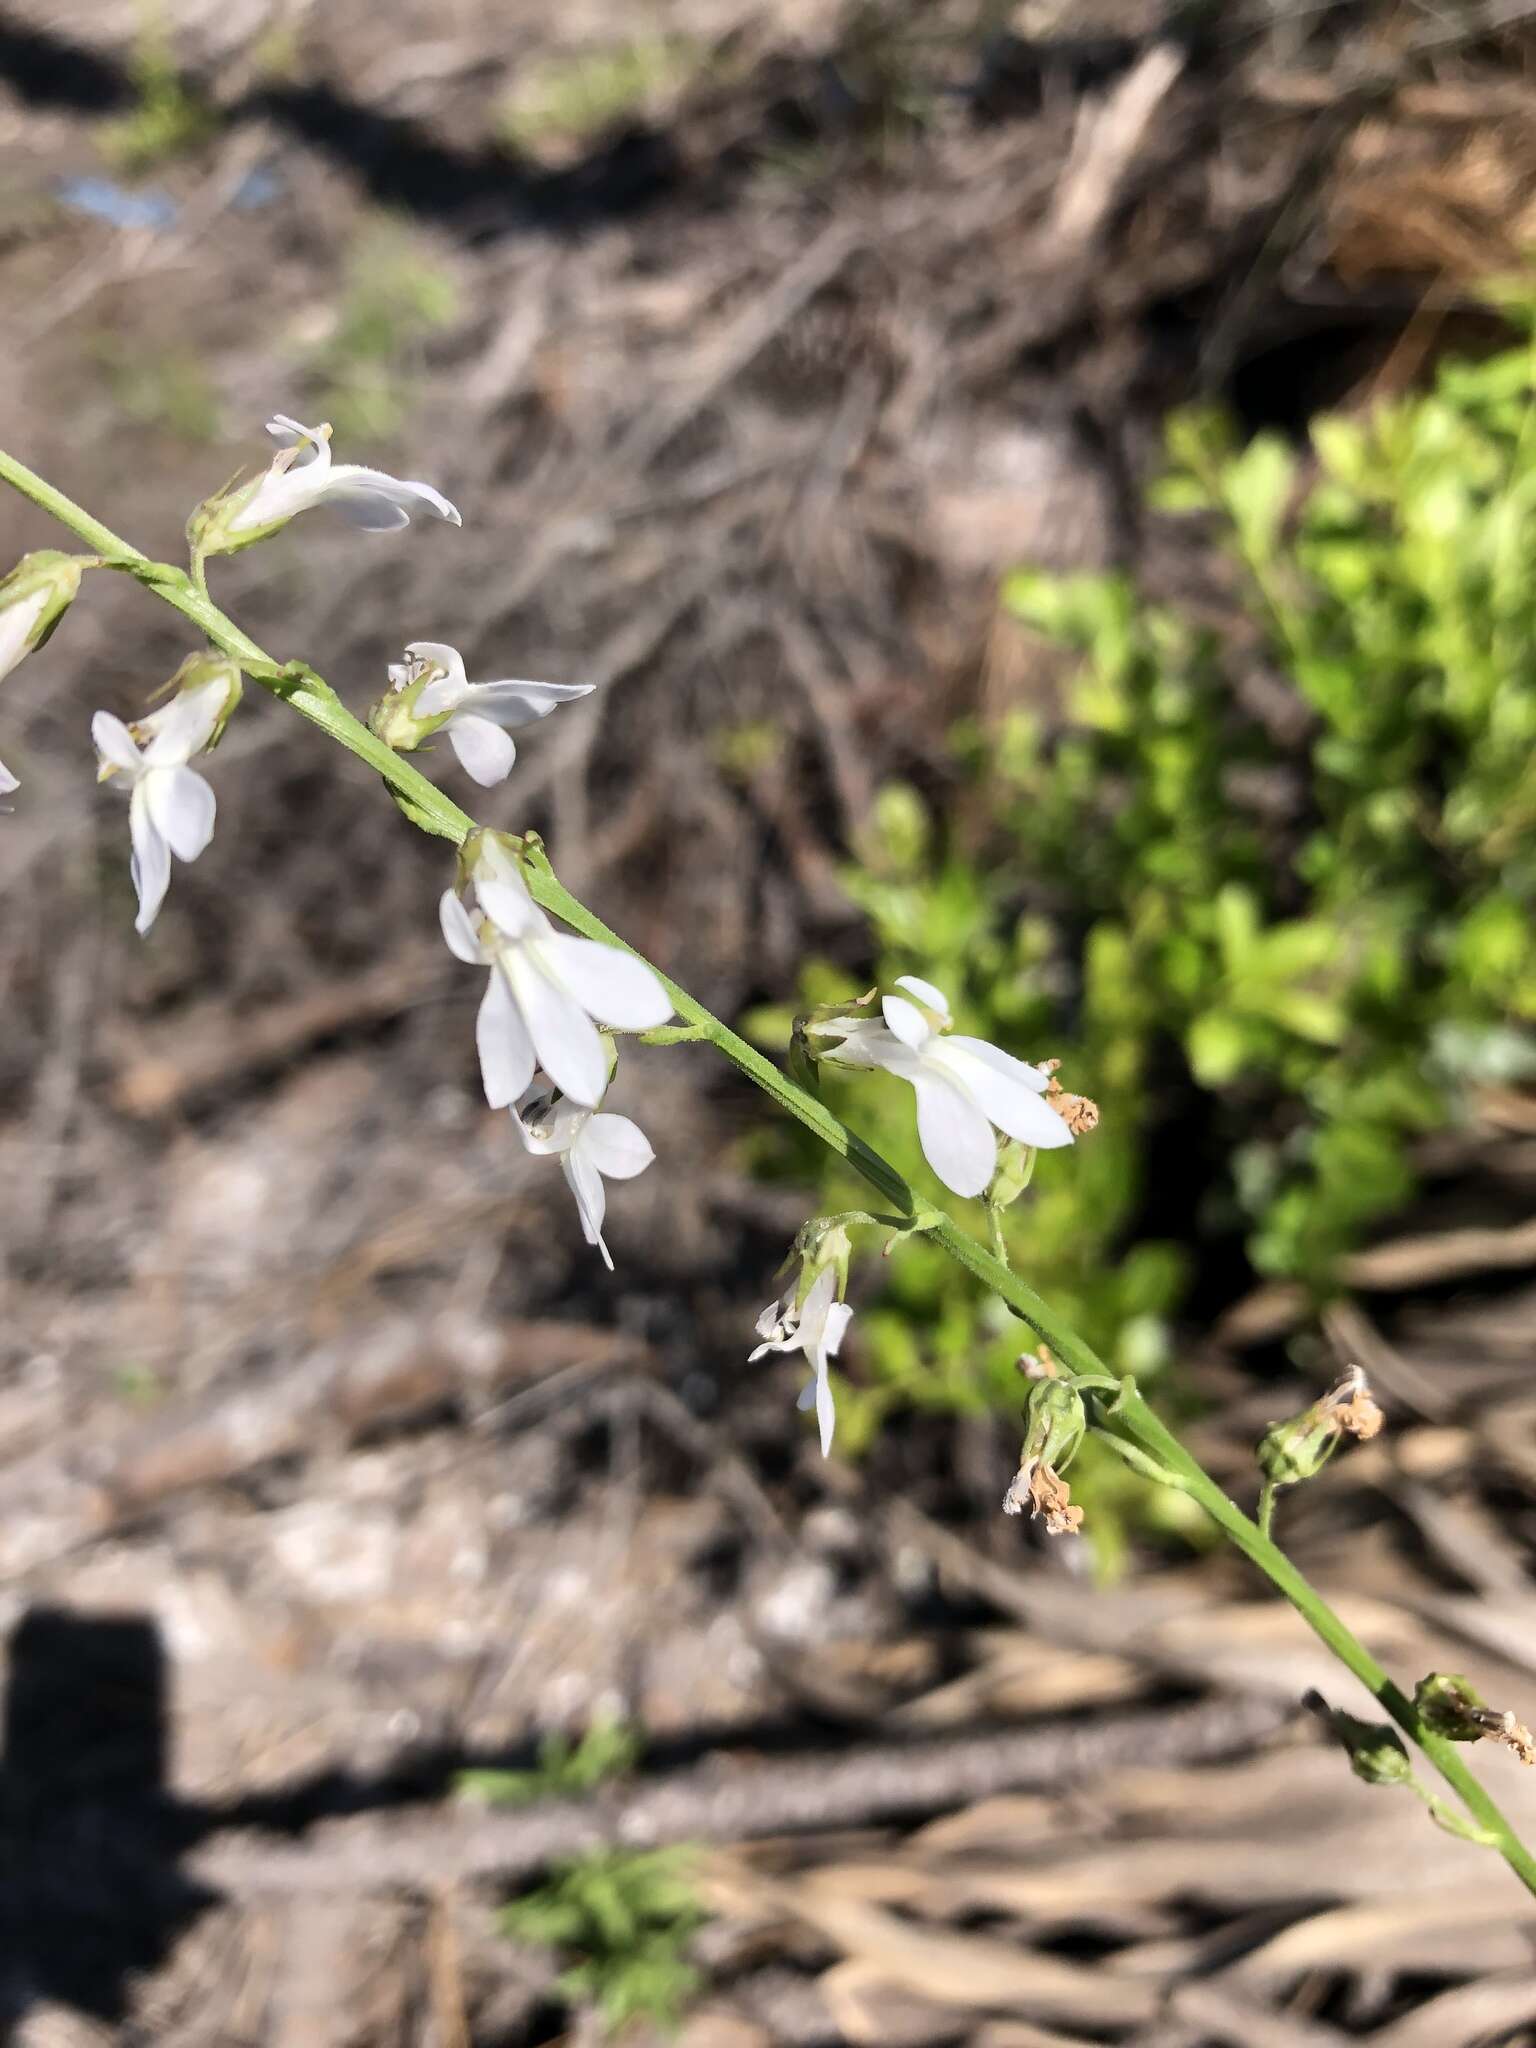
[1123,1414]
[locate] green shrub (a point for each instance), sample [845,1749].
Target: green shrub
[624,1918]
[1269,882]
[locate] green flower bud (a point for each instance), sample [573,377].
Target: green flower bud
[1015,1171]
[1377,1753]
[33,598]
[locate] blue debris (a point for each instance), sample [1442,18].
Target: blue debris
[256,189]
[103,199]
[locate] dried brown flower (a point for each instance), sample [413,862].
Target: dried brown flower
[1077,1112]
[1044,1492]
[1351,1407]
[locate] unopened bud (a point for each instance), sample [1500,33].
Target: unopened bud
[1377,1753]
[1451,1706]
[1015,1170]
[33,598]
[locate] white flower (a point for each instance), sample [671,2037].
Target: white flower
[171,809]
[304,475]
[588,1143]
[478,713]
[817,1328]
[963,1086]
[8,781]
[545,988]
[17,624]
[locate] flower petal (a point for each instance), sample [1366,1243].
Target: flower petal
[616,1146]
[459,931]
[839,1316]
[150,865]
[114,742]
[610,984]
[586,1184]
[17,621]
[445,690]
[378,503]
[484,750]
[503,1042]
[309,440]
[956,1137]
[517,704]
[1001,1062]
[506,902]
[826,1410]
[906,1022]
[185,725]
[564,1036]
[8,781]
[1002,1096]
[926,993]
[182,809]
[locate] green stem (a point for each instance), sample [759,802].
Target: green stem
[1132,1419]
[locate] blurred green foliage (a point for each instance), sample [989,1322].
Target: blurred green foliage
[625,1919]
[607,1750]
[395,296]
[168,118]
[569,99]
[1267,881]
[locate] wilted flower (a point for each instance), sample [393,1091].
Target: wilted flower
[1299,1447]
[430,693]
[545,988]
[963,1085]
[815,1325]
[589,1145]
[1453,1707]
[1055,1425]
[303,475]
[171,808]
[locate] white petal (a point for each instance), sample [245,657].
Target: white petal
[114,742]
[150,865]
[586,1184]
[906,1021]
[926,993]
[839,1316]
[17,621]
[517,704]
[826,1410]
[611,985]
[182,809]
[956,1138]
[484,750]
[280,494]
[459,930]
[185,725]
[564,1036]
[1003,1097]
[293,432]
[616,1146]
[1001,1062]
[8,781]
[452,680]
[508,905]
[815,1310]
[505,1048]
[378,503]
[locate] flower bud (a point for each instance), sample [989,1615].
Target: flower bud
[1015,1171]
[33,599]
[1055,1425]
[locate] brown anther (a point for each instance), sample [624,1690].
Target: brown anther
[1077,1112]
[1351,1407]
[1046,1493]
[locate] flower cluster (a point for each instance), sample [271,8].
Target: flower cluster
[552,1000]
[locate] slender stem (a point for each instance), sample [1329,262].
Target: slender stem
[1266,1514]
[1127,1414]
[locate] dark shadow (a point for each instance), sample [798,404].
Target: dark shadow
[49,71]
[89,1890]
